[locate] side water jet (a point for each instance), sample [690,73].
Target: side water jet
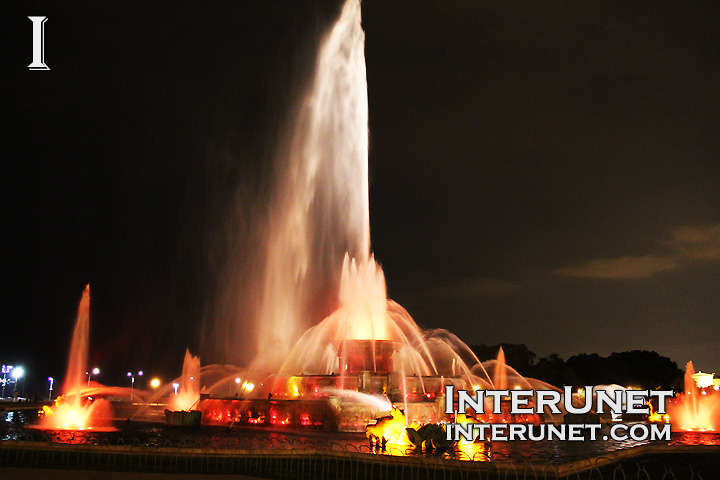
[73,410]
[695,409]
[188,392]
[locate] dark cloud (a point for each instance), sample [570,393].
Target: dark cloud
[621,268]
[690,244]
[697,243]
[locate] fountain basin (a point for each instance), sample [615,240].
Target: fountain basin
[183,418]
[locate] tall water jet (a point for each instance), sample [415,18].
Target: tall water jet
[320,209]
[77,359]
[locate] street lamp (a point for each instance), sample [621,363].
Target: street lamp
[175,386]
[92,372]
[51,380]
[17,374]
[132,383]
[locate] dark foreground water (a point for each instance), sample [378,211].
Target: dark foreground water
[15,426]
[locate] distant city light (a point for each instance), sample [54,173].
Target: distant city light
[237,379]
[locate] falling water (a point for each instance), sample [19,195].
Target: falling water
[320,210]
[77,359]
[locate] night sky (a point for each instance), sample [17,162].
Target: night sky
[545,173]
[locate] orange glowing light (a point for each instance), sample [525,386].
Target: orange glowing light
[462,418]
[657,417]
[77,414]
[390,428]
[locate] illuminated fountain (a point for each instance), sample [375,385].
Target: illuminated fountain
[372,346]
[354,365]
[188,392]
[73,410]
[368,354]
[695,410]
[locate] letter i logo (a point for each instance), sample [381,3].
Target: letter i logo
[38,60]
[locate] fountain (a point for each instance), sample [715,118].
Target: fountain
[73,410]
[369,347]
[356,363]
[696,409]
[188,392]
[83,405]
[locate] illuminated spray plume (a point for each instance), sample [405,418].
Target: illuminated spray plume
[188,393]
[319,233]
[72,410]
[318,261]
[320,209]
[694,410]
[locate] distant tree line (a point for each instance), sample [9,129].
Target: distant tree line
[637,368]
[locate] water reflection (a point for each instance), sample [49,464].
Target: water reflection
[13,427]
